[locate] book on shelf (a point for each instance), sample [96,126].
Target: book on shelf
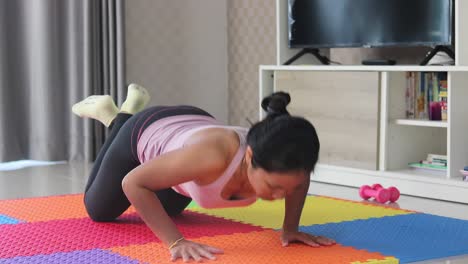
[426,95]
[409,96]
[432,162]
[420,165]
[436,162]
[436,158]
[443,105]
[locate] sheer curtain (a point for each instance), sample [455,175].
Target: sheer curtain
[54,53]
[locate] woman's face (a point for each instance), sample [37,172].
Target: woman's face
[274,185]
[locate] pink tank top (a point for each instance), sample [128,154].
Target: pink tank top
[171,133]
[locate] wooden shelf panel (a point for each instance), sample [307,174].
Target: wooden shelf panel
[422,123]
[368,68]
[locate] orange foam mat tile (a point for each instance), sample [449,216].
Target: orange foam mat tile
[255,247]
[46,208]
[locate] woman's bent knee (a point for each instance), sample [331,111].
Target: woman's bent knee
[97,214]
[101,218]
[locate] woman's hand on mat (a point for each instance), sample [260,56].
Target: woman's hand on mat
[187,250]
[308,239]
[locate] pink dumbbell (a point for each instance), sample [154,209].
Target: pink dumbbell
[394,192]
[381,196]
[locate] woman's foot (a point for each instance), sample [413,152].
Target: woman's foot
[99,107]
[137,98]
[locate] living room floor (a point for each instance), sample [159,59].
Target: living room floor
[71,178]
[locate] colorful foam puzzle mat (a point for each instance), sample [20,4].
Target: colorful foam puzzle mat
[56,229]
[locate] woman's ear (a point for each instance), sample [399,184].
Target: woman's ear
[248,155]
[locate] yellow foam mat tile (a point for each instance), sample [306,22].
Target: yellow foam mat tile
[254,248]
[317,210]
[387,260]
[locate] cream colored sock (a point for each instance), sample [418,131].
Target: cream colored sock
[137,98]
[99,107]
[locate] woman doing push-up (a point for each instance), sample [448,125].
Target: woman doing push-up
[161,158]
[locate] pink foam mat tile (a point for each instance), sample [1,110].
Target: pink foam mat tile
[27,239]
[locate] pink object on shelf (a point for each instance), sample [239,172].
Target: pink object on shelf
[435,111]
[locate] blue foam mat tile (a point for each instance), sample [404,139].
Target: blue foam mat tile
[8,220]
[410,238]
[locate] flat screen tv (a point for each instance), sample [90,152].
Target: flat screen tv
[369,23]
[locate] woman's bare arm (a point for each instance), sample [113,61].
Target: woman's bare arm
[195,162]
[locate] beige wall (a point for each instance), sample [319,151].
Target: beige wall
[251,42]
[178,50]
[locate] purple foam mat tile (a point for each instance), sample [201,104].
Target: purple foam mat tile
[94,256]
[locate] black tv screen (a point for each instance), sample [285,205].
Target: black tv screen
[369,23]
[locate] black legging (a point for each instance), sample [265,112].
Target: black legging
[104,198]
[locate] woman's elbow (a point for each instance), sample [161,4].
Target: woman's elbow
[128,184]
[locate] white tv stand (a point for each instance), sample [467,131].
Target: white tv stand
[398,140]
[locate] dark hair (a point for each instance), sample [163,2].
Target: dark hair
[281,142]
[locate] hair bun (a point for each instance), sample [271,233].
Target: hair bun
[276,103]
